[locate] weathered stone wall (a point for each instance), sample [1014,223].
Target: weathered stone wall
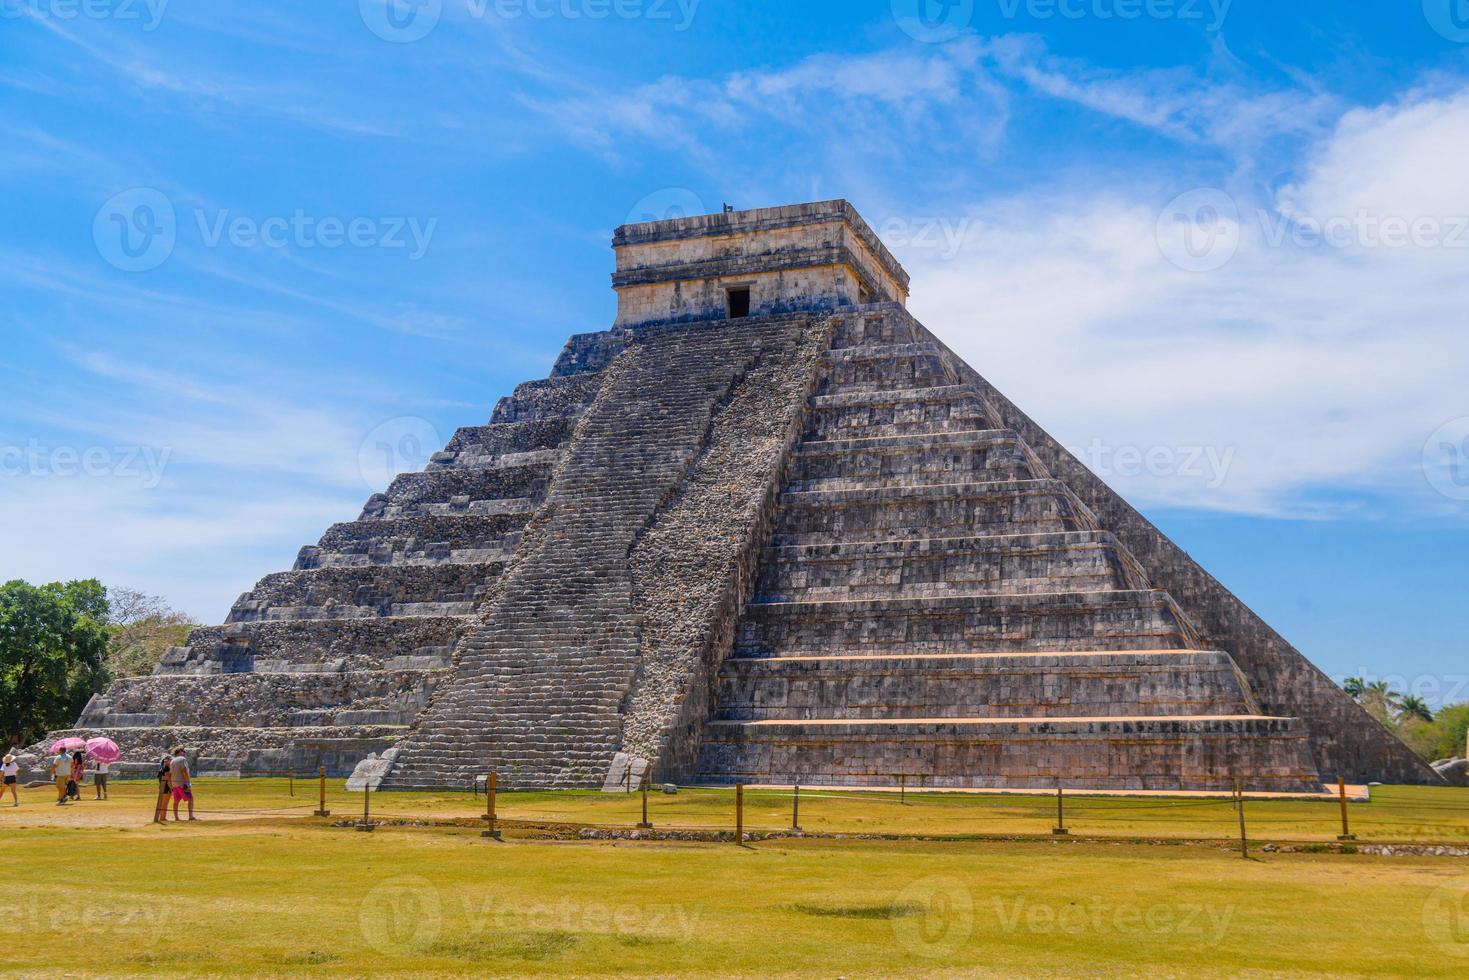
[1345,740]
[1144,754]
[804,257]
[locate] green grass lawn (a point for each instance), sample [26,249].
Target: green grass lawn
[257,898]
[259,887]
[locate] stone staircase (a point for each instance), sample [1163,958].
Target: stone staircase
[544,684]
[933,606]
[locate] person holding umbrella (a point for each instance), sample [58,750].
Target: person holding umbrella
[103,752]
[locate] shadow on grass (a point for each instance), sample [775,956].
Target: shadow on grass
[531,946]
[889,911]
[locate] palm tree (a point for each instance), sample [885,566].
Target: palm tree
[1354,687]
[1412,706]
[1382,693]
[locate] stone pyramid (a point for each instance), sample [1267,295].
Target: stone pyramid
[766,529]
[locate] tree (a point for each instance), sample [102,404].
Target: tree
[1354,686]
[1412,706]
[53,649]
[142,627]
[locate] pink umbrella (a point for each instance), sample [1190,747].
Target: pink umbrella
[69,744]
[103,750]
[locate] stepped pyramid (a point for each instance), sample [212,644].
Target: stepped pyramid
[765,529]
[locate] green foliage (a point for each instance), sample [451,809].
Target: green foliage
[1432,735]
[53,648]
[141,629]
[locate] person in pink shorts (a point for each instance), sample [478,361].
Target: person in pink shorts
[178,778]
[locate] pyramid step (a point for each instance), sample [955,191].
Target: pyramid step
[875,325]
[1103,684]
[896,412]
[335,644]
[377,587]
[886,366]
[417,538]
[1121,620]
[977,456]
[468,460]
[499,438]
[445,485]
[552,398]
[1071,561]
[943,510]
[1169,753]
[262,700]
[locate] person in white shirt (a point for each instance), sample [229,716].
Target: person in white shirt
[99,778]
[11,772]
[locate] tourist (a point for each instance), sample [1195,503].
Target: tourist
[78,773]
[11,771]
[178,777]
[99,778]
[61,773]
[161,815]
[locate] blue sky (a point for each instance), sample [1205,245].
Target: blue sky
[1217,248]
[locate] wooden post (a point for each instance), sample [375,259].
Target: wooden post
[645,825]
[321,810]
[1060,829]
[1239,802]
[739,813]
[492,822]
[902,789]
[796,810]
[291,781]
[1346,830]
[365,826]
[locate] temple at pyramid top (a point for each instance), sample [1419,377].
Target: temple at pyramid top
[752,263]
